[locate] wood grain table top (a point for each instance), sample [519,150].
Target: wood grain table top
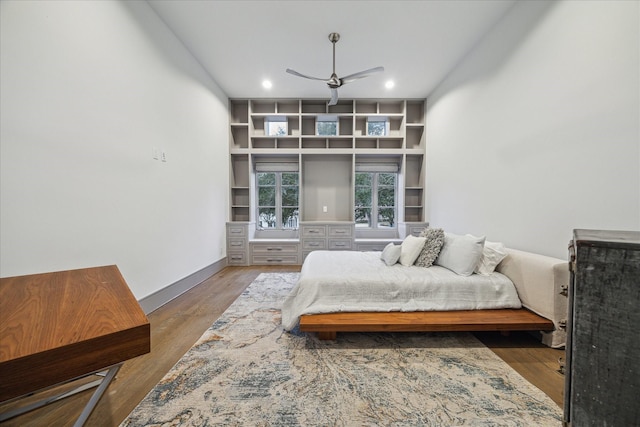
[58,326]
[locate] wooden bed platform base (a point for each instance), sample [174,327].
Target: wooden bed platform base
[328,325]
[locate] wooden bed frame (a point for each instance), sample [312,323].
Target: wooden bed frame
[541,282]
[328,325]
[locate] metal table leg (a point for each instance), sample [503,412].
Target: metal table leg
[102,385]
[111,373]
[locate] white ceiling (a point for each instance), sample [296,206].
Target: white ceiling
[241,43]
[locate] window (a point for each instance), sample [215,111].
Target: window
[378,126]
[327,125]
[277,200]
[375,198]
[275,126]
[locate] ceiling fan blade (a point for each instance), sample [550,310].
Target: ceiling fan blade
[334,97]
[295,73]
[361,74]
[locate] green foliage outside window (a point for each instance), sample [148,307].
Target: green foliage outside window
[378,211]
[275,127]
[376,128]
[289,199]
[278,195]
[327,128]
[363,199]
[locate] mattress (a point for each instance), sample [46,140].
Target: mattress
[352,281]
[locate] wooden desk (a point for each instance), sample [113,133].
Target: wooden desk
[55,327]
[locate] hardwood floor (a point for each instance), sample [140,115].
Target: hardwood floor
[179,323]
[527,356]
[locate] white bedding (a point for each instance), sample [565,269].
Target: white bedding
[351,281]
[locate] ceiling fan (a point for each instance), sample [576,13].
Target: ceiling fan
[334,82]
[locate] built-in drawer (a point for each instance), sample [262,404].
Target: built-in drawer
[340,244]
[314,244]
[368,247]
[236,230]
[416,230]
[274,259]
[340,231]
[236,258]
[313,231]
[375,244]
[236,244]
[274,248]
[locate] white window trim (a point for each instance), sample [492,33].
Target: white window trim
[376,169]
[278,169]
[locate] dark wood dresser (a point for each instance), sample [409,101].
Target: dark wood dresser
[602,384]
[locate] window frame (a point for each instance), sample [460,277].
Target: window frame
[276,126]
[384,120]
[327,118]
[279,208]
[375,205]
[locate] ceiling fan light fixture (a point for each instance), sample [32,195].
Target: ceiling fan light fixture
[334,82]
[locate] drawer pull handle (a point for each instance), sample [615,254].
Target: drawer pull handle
[340,244]
[274,260]
[339,231]
[236,244]
[314,231]
[314,244]
[236,257]
[274,249]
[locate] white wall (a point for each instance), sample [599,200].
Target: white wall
[88,89]
[537,131]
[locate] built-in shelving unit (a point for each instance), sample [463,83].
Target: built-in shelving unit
[327,163]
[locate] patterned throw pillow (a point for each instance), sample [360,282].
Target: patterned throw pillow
[432,246]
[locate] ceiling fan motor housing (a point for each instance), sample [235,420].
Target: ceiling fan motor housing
[334,81]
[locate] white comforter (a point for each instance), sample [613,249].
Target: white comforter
[349,281]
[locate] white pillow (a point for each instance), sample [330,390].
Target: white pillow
[391,254]
[411,248]
[492,254]
[460,254]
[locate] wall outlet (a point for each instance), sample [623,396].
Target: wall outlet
[324,209]
[163,156]
[155,153]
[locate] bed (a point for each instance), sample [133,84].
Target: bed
[350,291]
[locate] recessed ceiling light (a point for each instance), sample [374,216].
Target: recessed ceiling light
[266,84]
[389,84]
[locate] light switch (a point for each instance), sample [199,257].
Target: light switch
[324,209]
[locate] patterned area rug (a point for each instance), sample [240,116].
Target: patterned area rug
[247,371]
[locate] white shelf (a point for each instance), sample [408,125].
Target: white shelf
[327,162]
